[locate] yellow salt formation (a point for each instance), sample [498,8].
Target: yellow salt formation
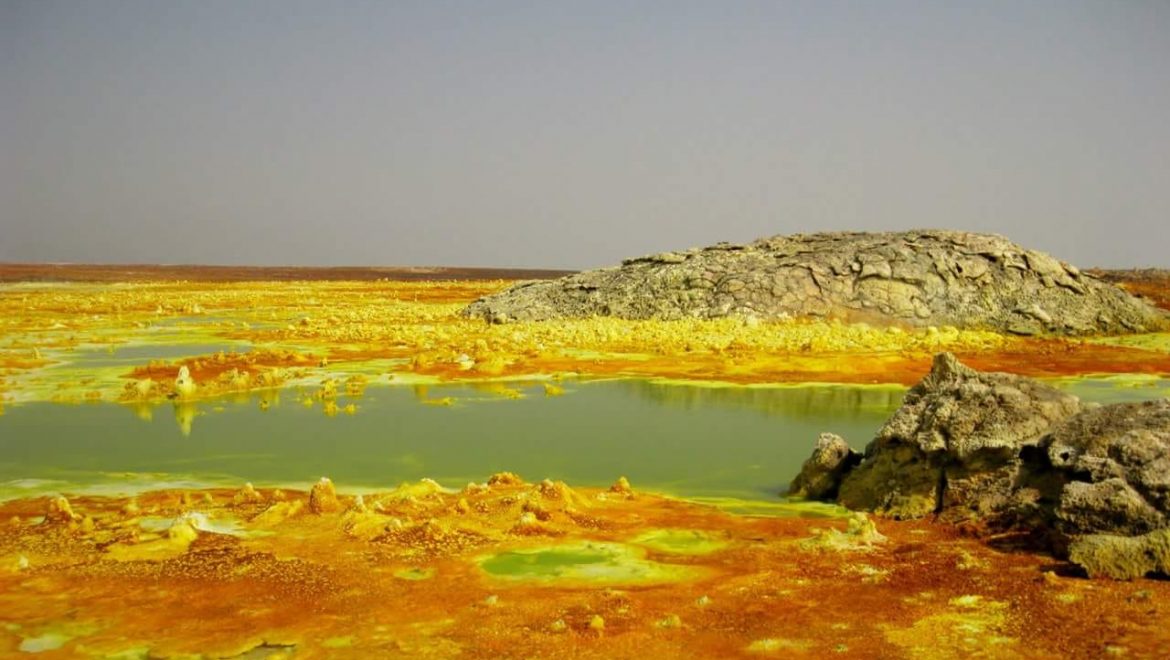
[247,494]
[141,390]
[415,327]
[60,512]
[621,579]
[861,534]
[184,384]
[504,479]
[622,487]
[323,497]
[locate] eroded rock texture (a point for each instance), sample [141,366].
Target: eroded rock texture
[821,474]
[919,278]
[1123,557]
[955,445]
[1012,451]
[1116,460]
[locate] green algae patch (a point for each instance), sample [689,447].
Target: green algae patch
[592,562]
[415,574]
[680,541]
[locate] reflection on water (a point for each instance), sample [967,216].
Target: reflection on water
[805,401]
[692,440]
[1117,388]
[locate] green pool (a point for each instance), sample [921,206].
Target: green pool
[688,440]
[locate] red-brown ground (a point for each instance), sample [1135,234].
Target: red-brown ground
[401,577]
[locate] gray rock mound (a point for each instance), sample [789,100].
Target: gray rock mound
[918,278]
[1014,452]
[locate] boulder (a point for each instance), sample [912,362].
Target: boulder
[1116,461]
[1013,452]
[1123,557]
[820,476]
[955,446]
[918,278]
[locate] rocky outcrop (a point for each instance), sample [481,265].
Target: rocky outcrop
[821,474]
[1117,462]
[918,278]
[1014,452]
[955,445]
[1123,557]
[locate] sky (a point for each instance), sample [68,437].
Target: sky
[574,134]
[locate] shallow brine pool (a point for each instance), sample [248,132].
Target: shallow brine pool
[687,440]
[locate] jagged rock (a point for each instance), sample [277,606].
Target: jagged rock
[1117,459]
[921,278]
[954,447]
[1123,557]
[820,476]
[1110,505]
[1012,451]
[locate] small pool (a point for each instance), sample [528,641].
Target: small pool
[687,440]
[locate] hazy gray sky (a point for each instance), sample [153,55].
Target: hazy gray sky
[563,134]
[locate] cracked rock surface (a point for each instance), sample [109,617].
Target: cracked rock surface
[1015,452]
[956,445]
[919,278]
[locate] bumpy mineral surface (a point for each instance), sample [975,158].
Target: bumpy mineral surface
[1013,452]
[509,569]
[918,278]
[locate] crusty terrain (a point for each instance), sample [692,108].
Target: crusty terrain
[509,569]
[916,278]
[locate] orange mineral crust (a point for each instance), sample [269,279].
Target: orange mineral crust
[515,569]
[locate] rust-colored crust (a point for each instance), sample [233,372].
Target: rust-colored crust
[334,582]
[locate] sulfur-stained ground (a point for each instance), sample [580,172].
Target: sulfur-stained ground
[308,332]
[514,569]
[506,568]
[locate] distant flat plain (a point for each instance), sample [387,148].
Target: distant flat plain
[54,272]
